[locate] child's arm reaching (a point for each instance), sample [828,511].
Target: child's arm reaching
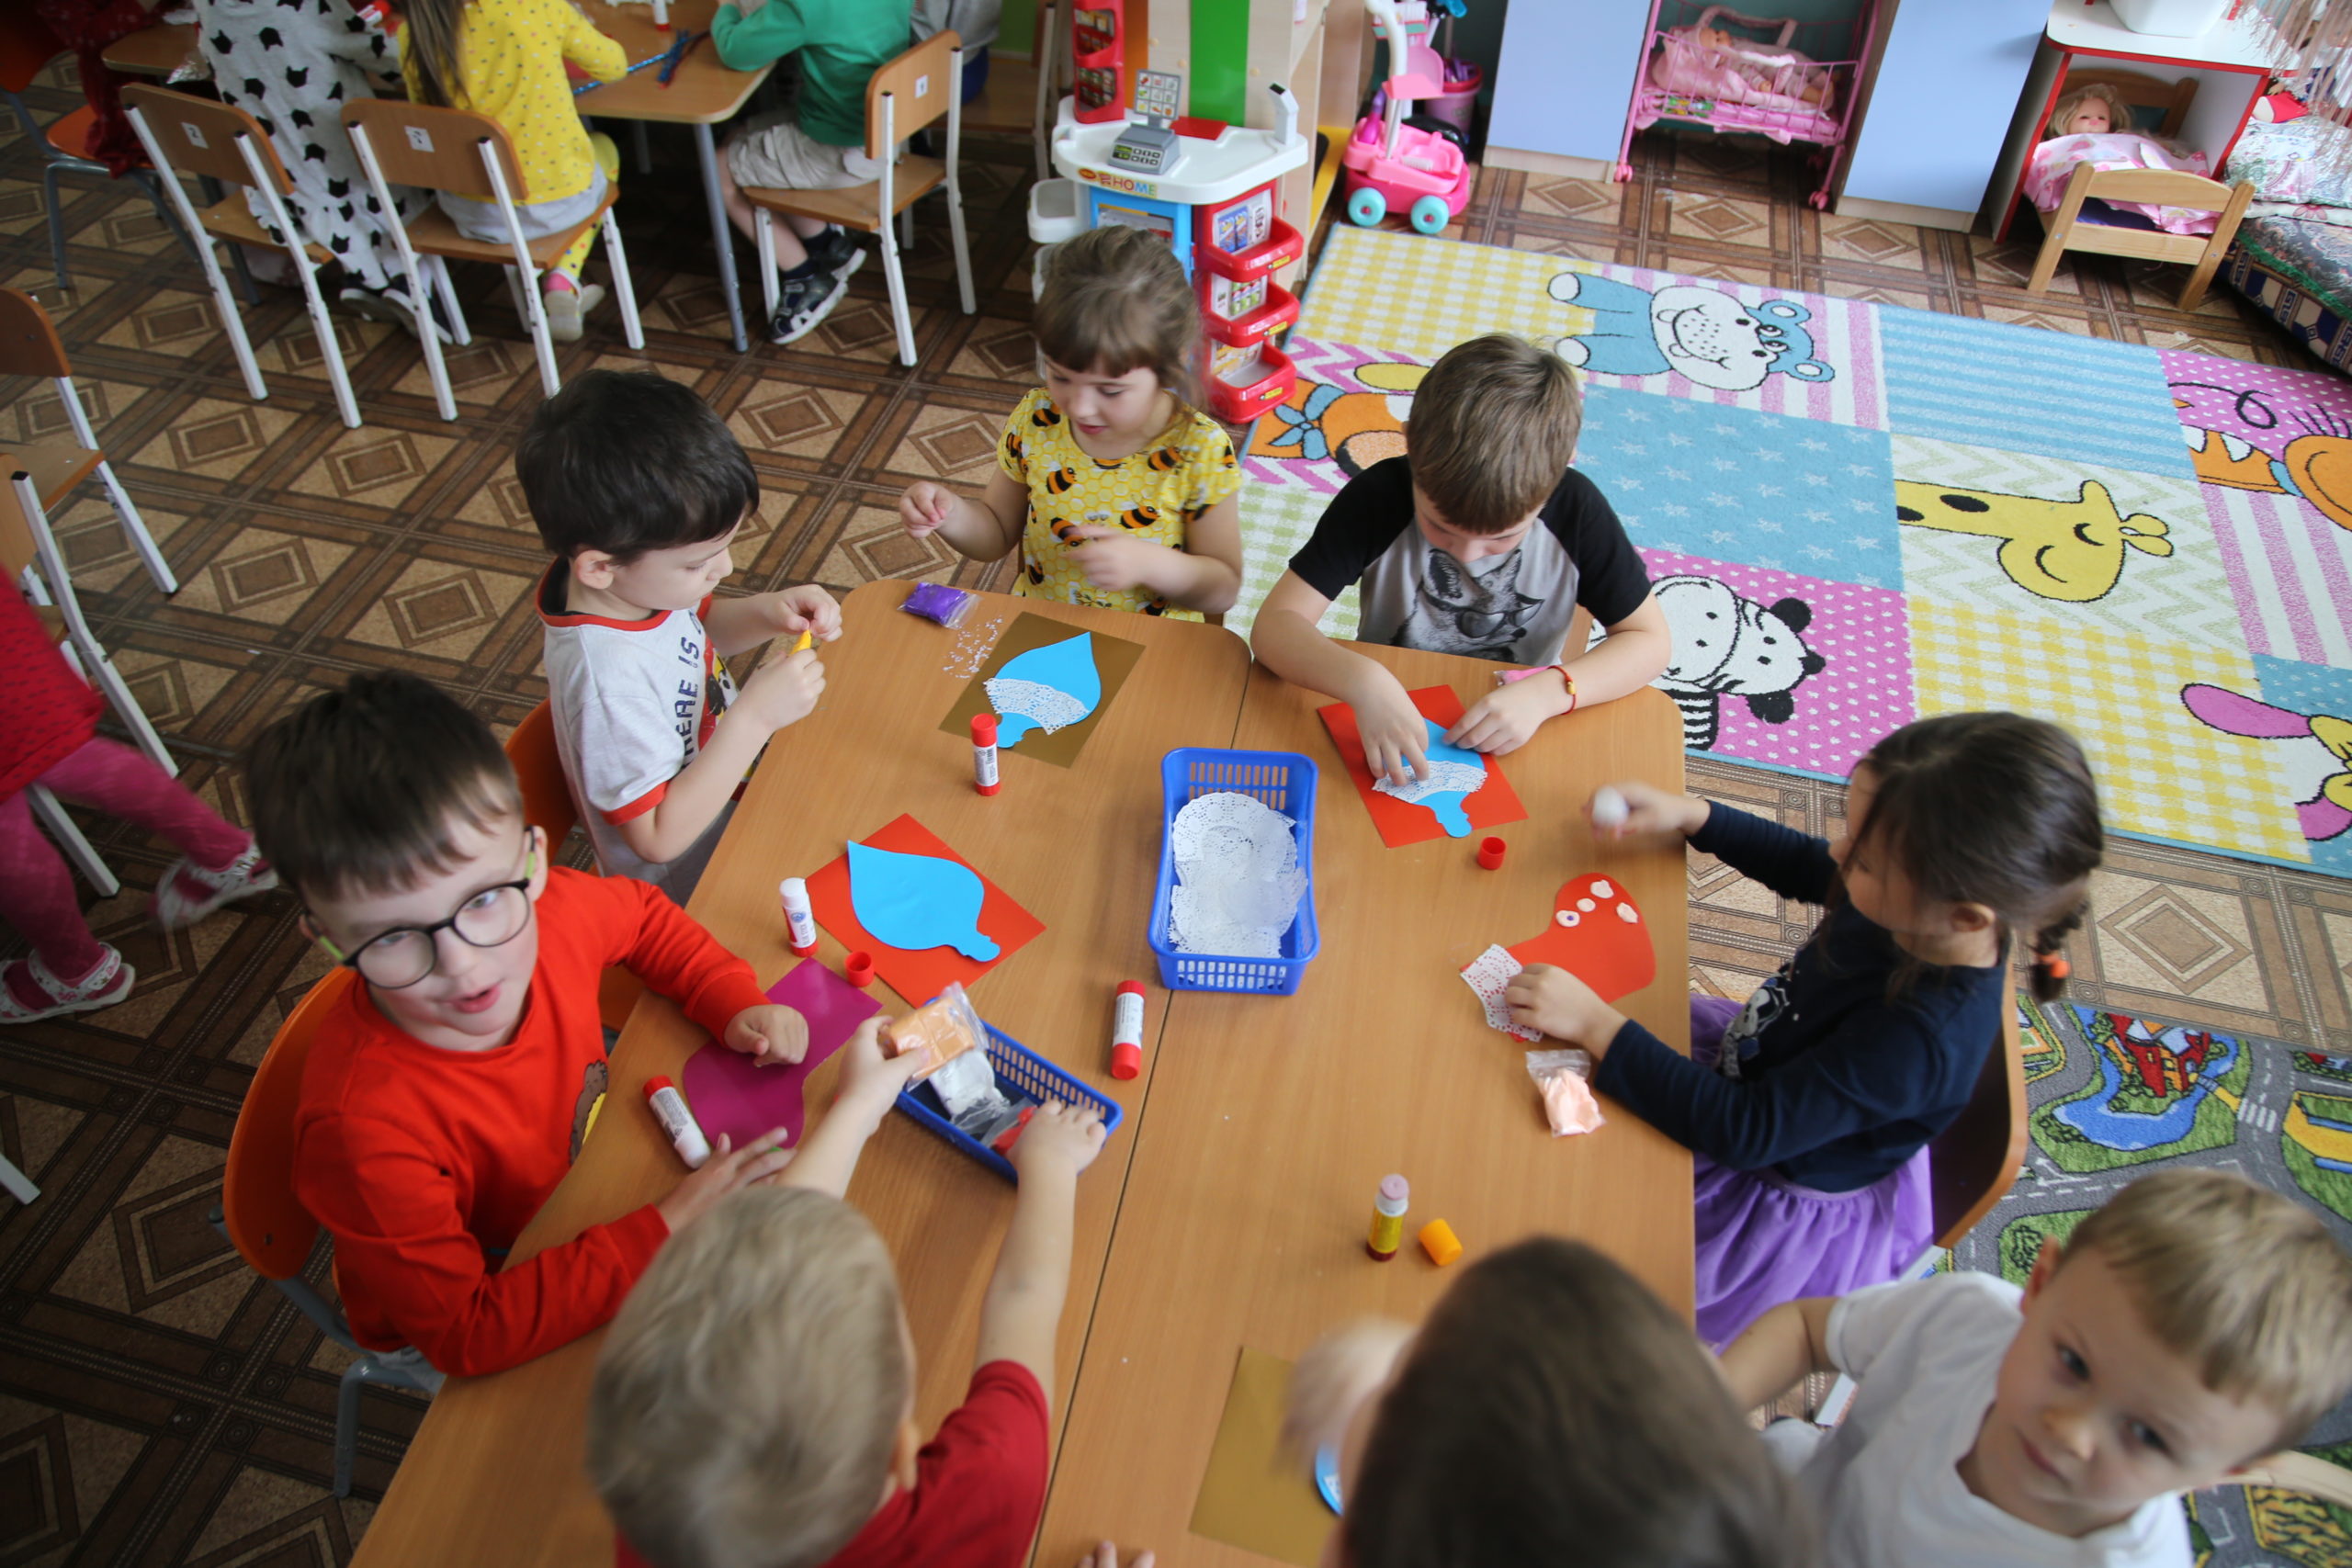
[1287,641]
[1637,649]
[750,619]
[1205,575]
[986,529]
[1790,1342]
[1022,1310]
[780,691]
[869,1086]
[592,52]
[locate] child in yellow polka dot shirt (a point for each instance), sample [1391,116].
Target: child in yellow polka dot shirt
[1117,492]
[505,59]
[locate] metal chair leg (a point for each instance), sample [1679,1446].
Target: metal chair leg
[68,837]
[56,224]
[17,1183]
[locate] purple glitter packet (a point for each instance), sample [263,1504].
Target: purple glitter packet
[937,601]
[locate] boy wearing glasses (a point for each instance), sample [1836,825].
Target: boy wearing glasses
[1479,540]
[447,1094]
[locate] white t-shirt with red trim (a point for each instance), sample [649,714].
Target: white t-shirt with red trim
[634,702]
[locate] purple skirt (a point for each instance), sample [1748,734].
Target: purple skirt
[1762,1239]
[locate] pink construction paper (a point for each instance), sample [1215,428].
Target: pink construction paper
[729,1093]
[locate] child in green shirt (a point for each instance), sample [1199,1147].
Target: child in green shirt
[819,144]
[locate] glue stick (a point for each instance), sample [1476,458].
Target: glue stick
[677,1121]
[984,778]
[1388,1218]
[798,915]
[1126,1031]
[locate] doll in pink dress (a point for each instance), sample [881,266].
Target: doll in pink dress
[2094,126]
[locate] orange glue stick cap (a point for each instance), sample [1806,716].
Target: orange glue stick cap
[984,729]
[1440,1242]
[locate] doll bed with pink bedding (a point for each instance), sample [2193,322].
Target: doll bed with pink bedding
[1775,76]
[2053,162]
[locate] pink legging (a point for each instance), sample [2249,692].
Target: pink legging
[37,890]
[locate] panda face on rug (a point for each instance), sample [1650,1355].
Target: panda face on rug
[1727,646]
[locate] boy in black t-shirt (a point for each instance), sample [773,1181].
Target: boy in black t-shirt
[1482,541]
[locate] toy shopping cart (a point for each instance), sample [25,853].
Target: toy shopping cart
[1418,171]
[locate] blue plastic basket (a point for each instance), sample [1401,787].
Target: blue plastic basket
[1284,780]
[1021,1069]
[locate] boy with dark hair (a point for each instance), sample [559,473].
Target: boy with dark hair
[447,1093]
[1479,540]
[639,489]
[2188,1327]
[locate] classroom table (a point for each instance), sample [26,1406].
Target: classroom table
[702,93]
[1241,1180]
[1270,1124]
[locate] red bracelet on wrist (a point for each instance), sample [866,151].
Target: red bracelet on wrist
[1571,679]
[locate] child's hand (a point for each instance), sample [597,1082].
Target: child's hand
[783,690]
[1331,1381]
[768,1033]
[809,608]
[1107,1556]
[1395,735]
[869,1079]
[926,507]
[1508,717]
[1112,560]
[1551,1000]
[1650,809]
[721,1174]
[1070,1134]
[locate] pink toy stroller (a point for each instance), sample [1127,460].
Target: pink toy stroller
[1390,164]
[1715,67]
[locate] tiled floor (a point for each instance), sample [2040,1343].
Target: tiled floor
[158,1404]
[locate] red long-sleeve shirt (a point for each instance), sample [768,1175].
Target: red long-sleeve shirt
[425,1162]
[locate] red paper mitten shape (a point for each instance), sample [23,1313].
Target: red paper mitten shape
[1598,934]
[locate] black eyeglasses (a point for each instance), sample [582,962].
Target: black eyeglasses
[404,955]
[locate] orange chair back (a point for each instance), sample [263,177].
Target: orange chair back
[1971,1163]
[199,136]
[436,148]
[268,1224]
[26,47]
[538,768]
[28,342]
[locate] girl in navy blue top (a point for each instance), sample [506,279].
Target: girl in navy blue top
[1809,1110]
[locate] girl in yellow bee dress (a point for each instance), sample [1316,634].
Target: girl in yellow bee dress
[1119,494]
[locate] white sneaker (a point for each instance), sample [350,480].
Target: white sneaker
[189,892]
[29,992]
[566,307]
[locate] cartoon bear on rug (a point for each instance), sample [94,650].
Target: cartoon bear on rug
[1702,333]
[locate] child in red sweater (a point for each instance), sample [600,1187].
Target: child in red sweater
[447,1096]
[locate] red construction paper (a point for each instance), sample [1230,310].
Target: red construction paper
[1605,950]
[919,976]
[1398,823]
[729,1093]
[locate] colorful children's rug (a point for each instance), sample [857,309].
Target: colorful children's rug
[1898,513]
[2116,1097]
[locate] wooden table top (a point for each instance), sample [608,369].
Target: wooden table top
[1270,1121]
[152,51]
[494,1475]
[1242,1179]
[704,91]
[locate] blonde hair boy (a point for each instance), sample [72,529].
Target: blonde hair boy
[754,1407]
[2189,1327]
[1480,540]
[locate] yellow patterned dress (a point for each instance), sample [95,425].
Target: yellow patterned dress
[1153,495]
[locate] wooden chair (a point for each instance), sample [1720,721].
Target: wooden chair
[26,542]
[265,1221]
[1971,1167]
[30,346]
[548,805]
[220,142]
[901,97]
[27,47]
[471,155]
[1018,98]
[2079,225]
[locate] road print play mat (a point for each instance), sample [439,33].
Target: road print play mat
[1898,513]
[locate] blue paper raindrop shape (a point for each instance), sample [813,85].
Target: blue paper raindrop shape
[1067,667]
[918,901]
[1446,804]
